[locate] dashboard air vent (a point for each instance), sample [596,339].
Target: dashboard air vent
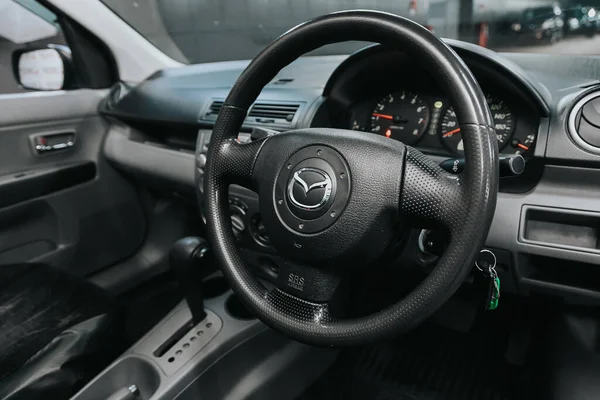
[282,81]
[211,113]
[215,107]
[584,122]
[281,113]
[276,114]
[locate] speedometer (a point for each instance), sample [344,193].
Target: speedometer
[503,123]
[403,116]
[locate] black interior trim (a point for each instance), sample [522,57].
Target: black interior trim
[533,91]
[530,87]
[26,185]
[92,59]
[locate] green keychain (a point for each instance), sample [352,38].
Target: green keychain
[495,297]
[488,271]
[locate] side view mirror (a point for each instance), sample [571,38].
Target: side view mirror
[48,68]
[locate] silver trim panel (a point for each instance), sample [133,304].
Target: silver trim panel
[571,123]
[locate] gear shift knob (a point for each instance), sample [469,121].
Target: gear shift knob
[186,259]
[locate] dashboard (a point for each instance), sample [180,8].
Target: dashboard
[386,93]
[545,229]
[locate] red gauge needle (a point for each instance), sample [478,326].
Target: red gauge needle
[523,146]
[452,132]
[383,116]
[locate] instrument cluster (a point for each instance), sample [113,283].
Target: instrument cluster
[428,121]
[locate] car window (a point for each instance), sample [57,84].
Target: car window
[24,24]
[538,12]
[197,31]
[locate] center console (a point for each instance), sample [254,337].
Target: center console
[210,346]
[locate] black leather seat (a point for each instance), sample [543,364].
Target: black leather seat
[56,332]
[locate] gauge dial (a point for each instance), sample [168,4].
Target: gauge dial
[503,123]
[403,116]
[356,126]
[451,136]
[523,146]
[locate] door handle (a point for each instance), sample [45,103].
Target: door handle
[51,142]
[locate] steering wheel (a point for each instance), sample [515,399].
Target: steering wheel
[332,200]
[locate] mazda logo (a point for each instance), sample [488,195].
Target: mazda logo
[309,188]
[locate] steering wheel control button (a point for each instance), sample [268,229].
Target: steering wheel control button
[238,211]
[453,165]
[510,165]
[432,242]
[259,231]
[312,189]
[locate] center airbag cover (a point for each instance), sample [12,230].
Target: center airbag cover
[352,224]
[312,190]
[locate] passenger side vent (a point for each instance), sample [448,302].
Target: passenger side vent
[584,122]
[279,113]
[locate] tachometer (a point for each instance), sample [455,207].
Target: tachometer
[503,123]
[403,116]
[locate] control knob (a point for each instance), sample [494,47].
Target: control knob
[238,216]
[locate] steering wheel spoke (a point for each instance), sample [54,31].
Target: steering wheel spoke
[235,161]
[301,310]
[315,285]
[240,158]
[311,295]
[431,197]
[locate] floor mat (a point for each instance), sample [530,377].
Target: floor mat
[429,363]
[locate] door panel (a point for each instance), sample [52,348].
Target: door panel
[67,207]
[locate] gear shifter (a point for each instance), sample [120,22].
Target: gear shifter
[186,259]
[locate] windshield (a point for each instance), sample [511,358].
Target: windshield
[538,12]
[198,31]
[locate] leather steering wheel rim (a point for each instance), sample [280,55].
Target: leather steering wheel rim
[427,195]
